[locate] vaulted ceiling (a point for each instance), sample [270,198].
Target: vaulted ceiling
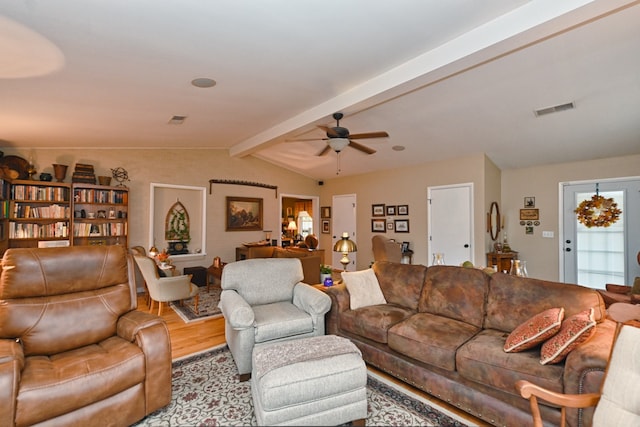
[444,78]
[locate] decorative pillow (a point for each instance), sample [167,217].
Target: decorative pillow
[636,286]
[363,287]
[574,331]
[534,331]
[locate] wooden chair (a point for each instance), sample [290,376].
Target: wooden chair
[139,250]
[165,289]
[618,403]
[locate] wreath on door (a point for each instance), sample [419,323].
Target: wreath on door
[598,212]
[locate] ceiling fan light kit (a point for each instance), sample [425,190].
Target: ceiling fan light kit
[338,144]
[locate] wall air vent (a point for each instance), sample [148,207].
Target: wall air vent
[554,109]
[177,120]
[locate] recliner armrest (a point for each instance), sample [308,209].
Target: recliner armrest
[130,324]
[618,289]
[310,299]
[236,311]
[11,365]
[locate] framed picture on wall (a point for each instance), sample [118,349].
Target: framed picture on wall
[325,212]
[401,225]
[391,210]
[529,214]
[326,226]
[390,225]
[377,210]
[403,209]
[243,214]
[378,226]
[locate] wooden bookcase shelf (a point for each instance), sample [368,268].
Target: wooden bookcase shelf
[100,215]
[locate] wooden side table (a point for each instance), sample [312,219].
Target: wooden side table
[501,259]
[214,271]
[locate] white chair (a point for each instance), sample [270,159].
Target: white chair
[618,403]
[165,289]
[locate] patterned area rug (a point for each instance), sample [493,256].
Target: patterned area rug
[206,392]
[207,306]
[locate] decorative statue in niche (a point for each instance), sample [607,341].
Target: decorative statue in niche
[177,231]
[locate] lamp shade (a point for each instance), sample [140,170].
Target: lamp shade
[345,245]
[292,226]
[338,144]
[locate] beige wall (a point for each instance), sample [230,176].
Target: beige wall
[542,254]
[408,186]
[400,186]
[192,168]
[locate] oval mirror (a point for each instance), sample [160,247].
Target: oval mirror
[494,220]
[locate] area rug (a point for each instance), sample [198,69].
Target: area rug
[206,392]
[207,306]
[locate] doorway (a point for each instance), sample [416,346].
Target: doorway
[303,212]
[344,221]
[450,228]
[595,256]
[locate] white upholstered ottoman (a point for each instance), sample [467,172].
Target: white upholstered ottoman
[310,381]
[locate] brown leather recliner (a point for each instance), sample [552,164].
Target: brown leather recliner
[73,349]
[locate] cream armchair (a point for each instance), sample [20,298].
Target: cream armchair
[263,301]
[165,289]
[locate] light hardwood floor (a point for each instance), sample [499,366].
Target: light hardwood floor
[194,337]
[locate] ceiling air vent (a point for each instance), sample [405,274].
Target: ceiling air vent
[554,109]
[177,120]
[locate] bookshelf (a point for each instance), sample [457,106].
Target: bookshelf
[38,211]
[100,215]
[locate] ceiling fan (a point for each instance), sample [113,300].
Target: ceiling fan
[338,138]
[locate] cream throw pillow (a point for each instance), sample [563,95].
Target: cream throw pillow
[363,287]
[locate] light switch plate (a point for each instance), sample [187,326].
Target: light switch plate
[548,234]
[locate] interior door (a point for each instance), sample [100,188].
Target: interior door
[344,221]
[450,213]
[596,256]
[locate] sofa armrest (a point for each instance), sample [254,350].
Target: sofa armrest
[11,365]
[236,311]
[340,302]
[311,300]
[131,323]
[618,289]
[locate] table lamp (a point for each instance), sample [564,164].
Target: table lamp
[292,227]
[345,246]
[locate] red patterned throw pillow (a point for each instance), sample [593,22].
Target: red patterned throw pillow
[575,330]
[534,331]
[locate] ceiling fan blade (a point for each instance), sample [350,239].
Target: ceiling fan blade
[361,147]
[369,135]
[324,151]
[329,131]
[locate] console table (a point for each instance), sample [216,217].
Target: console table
[501,259]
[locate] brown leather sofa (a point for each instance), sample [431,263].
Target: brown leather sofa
[443,330]
[73,349]
[310,260]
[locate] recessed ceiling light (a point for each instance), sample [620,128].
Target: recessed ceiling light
[398,147]
[203,82]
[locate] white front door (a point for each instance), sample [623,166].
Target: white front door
[596,256]
[344,221]
[450,210]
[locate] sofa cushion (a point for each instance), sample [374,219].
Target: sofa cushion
[401,284]
[512,300]
[280,320]
[431,339]
[373,322]
[454,292]
[574,331]
[535,331]
[482,360]
[364,289]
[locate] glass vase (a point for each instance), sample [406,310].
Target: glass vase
[518,268]
[438,258]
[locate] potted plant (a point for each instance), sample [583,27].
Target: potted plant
[325,271]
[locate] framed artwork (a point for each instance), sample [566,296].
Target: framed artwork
[325,212]
[405,247]
[391,210]
[390,225]
[529,202]
[326,226]
[401,225]
[377,210]
[403,209]
[243,214]
[378,226]
[529,214]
